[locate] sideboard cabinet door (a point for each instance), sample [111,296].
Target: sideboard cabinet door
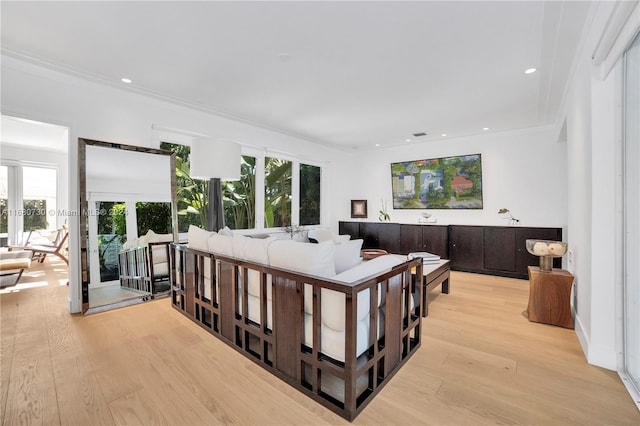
[435,239]
[349,228]
[466,248]
[410,239]
[500,249]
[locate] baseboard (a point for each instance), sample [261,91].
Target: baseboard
[604,357]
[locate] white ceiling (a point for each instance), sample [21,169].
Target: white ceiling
[18,131]
[345,74]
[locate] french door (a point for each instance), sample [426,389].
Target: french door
[107,234]
[631,292]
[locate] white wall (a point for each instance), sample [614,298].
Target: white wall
[593,114]
[111,113]
[524,171]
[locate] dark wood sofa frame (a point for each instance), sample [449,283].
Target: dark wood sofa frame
[137,269]
[344,387]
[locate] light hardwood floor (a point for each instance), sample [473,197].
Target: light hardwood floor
[481,362]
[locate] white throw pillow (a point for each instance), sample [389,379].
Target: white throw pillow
[220,244]
[238,242]
[198,238]
[226,231]
[312,259]
[347,255]
[339,239]
[152,237]
[256,250]
[321,234]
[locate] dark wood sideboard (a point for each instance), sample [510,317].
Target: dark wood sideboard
[493,250]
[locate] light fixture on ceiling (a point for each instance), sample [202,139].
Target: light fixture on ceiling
[126,80]
[377,144]
[530,70]
[443,135]
[485,128]
[407,140]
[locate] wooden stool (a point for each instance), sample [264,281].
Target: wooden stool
[550,297]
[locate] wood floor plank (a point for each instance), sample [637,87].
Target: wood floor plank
[9,312]
[481,362]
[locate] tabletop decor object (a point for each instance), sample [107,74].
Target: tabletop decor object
[546,250]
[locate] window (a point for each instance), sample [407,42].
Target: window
[38,198]
[309,195]
[239,197]
[4,205]
[191,193]
[112,234]
[277,192]
[153,216]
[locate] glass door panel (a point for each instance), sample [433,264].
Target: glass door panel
[4,206]
[631,301]
[39,198]
[107,234]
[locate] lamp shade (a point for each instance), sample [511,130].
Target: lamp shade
[215,158]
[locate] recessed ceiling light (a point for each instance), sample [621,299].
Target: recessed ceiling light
[443,135]
[377,144]
[485,128]
[126,80]
[407,140]
[530,70]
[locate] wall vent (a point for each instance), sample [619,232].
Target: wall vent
[420,134]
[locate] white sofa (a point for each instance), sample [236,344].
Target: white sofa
[268,297]
[144,263]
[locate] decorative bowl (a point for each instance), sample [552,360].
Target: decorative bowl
[368,254]
[546,250]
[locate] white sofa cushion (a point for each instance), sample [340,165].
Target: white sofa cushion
[198,238]
[220,244]
[335,312]
[312,259]
[333,308]
[226,231]
[332,342]
[253,303]
[369,268]
[321,234]
[347,255]
[152,237]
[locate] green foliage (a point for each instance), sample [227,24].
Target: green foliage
[112,227]
[239,197]
[309,195]
[4,215]
[191,193]
[277,188]
[153,216]
[35,215]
